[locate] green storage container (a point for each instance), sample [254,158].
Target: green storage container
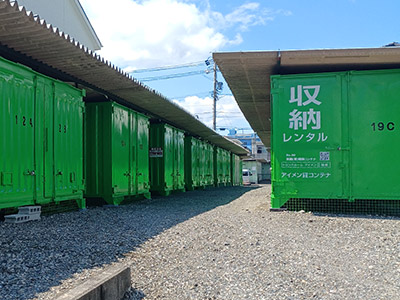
[222,167]
[236,170]
[198,163]
[193,167]
[227,168]
[117,162]
[41,152]
[166,159]
[335,136]
[208,164]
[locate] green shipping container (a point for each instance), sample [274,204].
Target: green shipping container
[208,164]
[236,170]
[222,167]
[194,169]
[335,136]
[166,159]
[198,163]
[117,162]
[41,151]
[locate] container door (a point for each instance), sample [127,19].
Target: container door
[133,161]
[120,151]
[220,162]
[201,161]
[17,113]
[210,164]
[68,142]
[308,151]
[374,128]
[169,158]
[44,140]
[142,154]
[195,161]
[180,152]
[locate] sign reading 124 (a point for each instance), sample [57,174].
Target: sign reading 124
[380,126]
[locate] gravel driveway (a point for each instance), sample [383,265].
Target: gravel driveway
[214,244]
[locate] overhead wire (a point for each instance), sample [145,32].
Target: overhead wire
[164,68]
[171,76]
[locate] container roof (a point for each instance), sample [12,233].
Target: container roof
[27,39]
[248,74]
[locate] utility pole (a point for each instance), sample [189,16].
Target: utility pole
[215,98]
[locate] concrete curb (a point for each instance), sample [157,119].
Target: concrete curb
[111,284]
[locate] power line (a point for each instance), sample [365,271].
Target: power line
[171,76]
[192,64]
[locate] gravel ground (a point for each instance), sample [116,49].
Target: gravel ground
[214,244]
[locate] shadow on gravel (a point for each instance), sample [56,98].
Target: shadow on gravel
[35,256]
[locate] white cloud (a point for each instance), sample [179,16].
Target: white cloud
[228,112]
[142,34]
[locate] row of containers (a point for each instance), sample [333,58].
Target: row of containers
[55,147]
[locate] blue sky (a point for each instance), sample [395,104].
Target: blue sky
[154,33]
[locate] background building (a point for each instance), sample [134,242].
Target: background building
[259,162]
[68,16]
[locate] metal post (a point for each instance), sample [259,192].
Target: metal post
[215,98]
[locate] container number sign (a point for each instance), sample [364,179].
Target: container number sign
[156,152]
[24,120]
[381,126]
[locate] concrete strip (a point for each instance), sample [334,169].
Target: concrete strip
[111,284]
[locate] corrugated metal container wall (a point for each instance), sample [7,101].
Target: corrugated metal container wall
[202,163]
[41,154]
[218,166]
[236,170]
[209,164]
[193,154]
[117,164]
[166,159]
[335,136]
[227,167]
[179,145]
[68,141]
[222,167]
[142,155]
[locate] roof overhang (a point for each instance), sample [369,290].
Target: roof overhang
[29,40]
[248,74]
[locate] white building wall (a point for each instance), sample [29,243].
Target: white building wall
[68,16]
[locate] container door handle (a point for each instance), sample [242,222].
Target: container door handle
[30,173]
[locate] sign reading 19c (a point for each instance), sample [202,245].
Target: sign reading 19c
[382,126]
